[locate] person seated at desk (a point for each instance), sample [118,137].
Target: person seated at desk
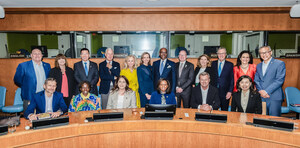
[47,101]
[121,96]
[163,95]
[85,101]
[205,96]
[246,100]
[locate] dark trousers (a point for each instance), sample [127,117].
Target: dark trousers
[25,105]
[224,103]
[67,101]
[185,100]
[143,99]
[273,107]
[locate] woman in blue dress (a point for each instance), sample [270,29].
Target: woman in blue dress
[145,79]
[163,95]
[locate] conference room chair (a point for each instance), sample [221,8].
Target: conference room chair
[2,96]
[18,104]
[293,98]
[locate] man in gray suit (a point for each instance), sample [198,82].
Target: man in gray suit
[184,77]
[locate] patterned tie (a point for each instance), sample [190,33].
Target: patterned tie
[86,69]
[180,69]
[161,67]
[163,99]
[220,69]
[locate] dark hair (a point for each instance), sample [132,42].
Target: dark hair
[244,77]
[84,49]
[142,56]
[158,83]
[49,79]
[84,82]
[116,87]
[238,60]
[58,57]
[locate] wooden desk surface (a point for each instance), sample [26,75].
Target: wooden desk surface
[134,132]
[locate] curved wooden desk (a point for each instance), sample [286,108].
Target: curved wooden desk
[134,132]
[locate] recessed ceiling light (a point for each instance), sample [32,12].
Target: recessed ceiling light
[152,0]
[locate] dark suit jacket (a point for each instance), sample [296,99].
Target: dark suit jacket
[226,80]
[145,79]
[169,73]
[93,77]
[56,74]
[185,81]
[208,70]
[212,97]
[254,103]
[25,78]
[38,103]
[107,75]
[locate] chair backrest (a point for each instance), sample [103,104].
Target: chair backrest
[2,96]
[18,100]
[292,95]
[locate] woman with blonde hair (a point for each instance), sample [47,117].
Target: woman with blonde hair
[203,65]
[129,71]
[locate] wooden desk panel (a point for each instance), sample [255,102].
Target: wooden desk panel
[134,132]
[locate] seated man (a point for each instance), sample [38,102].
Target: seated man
[205,96]
[47,101]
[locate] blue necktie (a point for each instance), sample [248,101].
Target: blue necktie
[220,69]
[161,67]
[86,69]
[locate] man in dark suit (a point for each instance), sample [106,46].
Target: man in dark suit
[184,77]
[223,78]
[205,96]
[269,78]
[86,70]
[48,101]
[31,75]
[109,70]
[164,68]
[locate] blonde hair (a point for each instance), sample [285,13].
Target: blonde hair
[142,56]
[208,60]
[126,60]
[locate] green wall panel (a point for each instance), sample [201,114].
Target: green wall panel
[177,40]
[282,40]
[96,42]
[226,41]
[51,41]
[18,41]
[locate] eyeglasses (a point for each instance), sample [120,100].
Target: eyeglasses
[263,53]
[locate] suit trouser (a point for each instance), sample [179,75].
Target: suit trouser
[273,106]
[104,99]
[25,105]
[224,103]
[185,99]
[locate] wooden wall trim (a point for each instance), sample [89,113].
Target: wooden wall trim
[163,10]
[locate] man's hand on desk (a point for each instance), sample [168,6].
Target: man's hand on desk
[32,117]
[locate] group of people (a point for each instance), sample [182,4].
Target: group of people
[209,86]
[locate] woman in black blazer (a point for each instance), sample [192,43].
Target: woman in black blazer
[247,99]
[203,65]
[61,72]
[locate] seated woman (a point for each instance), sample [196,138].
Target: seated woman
[163,95]
[85,101]
[246,100]
[121,96]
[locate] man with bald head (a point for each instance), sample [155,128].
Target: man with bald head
[109,70]
[269,78]
[31,75]
[164,68]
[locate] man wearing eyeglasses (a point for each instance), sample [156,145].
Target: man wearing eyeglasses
[31,75]
[269,78]
[223,79]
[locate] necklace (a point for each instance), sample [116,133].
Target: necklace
[245,67]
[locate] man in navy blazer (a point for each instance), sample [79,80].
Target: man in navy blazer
[109,70]
[31,75]
[269,78]
[86,70]
[223,79]
[164,68]
[48,101]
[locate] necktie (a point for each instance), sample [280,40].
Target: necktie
[161,67]
[86,69]
[220,69]
[180,69]
[163,99]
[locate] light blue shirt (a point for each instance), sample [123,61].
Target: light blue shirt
[265,66]
[40,76]
[87,64]
[48,100]
[165,61]
[223,63]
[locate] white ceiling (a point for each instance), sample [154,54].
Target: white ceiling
[146,3]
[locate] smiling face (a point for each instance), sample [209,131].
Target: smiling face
[61,62]
[36,55]
[146,59]
[163,53]
[221,54]
[245,58]
[50,87]
[85,55]
[163,86]
[130,62]
[122,83]
[203,62]
[182,56]
[265,53]
[204,81]
[245,84]
[109,54]
[85,89]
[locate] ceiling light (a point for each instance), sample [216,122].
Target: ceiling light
[295,11]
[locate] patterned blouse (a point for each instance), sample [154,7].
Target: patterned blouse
[84,103]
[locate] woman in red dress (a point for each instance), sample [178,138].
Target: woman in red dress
[244,66]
